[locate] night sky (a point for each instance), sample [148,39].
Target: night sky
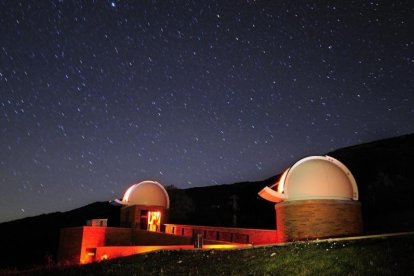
[97,95]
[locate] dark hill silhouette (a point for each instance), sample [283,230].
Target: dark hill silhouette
[223,205]
[34,240]
[382,170]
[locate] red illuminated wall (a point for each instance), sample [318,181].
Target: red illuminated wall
[225,234]
[76,243]
[80,244]
[310,219]
[86,244]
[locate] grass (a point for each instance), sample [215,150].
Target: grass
[380,256]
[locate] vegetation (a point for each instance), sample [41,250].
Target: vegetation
[380,256]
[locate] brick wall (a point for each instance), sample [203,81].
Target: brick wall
[309,219]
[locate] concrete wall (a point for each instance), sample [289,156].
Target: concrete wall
[70,244]
[79,244]
[225,234]
[310,219]
[91,238]
[142,237]
[76,244]
[128,216]
[84,244]
[118,236]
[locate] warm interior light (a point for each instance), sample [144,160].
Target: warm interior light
[154,220]
[225,246]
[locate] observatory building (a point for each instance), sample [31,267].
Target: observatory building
[144,228]
[316,198]
[145,206]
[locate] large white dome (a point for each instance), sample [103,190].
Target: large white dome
[148,193]
[320,177]
[314,177]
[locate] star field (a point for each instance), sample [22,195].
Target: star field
[96,95]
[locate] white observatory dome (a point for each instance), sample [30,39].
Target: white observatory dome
[320,177]
[148,193]
[314,177]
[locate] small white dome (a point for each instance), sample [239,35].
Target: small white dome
[149,193]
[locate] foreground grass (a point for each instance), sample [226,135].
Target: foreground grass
[385,256]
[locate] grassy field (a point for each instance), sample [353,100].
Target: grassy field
[380,256]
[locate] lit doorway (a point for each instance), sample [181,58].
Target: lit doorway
[154,221]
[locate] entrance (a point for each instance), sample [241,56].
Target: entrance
[143,220]
[154,221]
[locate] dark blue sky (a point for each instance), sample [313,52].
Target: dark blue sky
[96,95]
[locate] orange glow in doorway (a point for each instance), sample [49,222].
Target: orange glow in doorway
[154,221]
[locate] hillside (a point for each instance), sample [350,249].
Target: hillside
[383,171]
[224,205]
[381,168]
[34,240]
